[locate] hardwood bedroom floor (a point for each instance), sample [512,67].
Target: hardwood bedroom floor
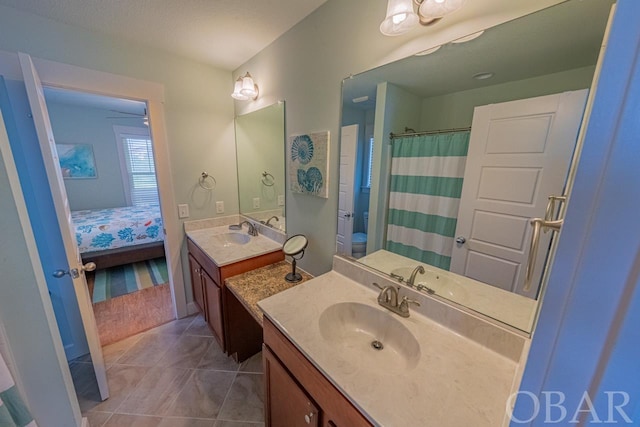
[127,315]
[174,375]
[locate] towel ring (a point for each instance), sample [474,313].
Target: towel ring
[268,179]
[203,181]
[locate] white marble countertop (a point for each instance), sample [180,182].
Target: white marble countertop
[456,382]
[207,239]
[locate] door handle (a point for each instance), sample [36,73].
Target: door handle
[73,272]
[461,240]
[537,224]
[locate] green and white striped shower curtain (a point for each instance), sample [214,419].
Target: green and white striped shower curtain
[13,412]
[426,183]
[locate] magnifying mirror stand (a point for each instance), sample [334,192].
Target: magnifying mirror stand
[293,277]
[294,246]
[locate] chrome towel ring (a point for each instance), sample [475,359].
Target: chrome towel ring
[268,179]
[203,181]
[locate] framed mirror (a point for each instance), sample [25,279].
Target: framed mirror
[456,149]
[260,147]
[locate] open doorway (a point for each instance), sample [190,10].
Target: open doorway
[106,157]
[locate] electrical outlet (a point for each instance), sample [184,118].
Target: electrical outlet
[220,207]
[183,211]
[256,203]
[281,200]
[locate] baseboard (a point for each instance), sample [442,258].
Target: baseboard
[192,308]
[85,422]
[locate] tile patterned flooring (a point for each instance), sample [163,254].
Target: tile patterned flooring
[174,375]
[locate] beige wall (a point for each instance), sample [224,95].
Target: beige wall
[455,110]
[306,66]
[198,109]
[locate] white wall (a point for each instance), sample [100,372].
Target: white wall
[305,67]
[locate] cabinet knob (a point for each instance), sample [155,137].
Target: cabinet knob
[308,418]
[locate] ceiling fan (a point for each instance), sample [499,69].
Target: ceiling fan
[128,115]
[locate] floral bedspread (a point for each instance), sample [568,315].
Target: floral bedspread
[101,229]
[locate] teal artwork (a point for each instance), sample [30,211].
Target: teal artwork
[76,161]
[308,163]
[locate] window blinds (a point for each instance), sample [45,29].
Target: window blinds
[143,186]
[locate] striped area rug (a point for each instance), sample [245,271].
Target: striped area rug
[125,279]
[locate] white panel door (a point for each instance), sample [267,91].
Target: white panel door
[348,149]
[75,267]
[519,154]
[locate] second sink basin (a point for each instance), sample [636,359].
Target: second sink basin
[369,332]
[229,239]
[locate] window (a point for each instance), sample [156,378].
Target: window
[138,168]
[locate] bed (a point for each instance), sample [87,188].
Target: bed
[117,236]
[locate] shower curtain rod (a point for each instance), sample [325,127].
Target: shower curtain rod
[426,132]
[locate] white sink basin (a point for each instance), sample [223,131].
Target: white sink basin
[230,239]
[359,329]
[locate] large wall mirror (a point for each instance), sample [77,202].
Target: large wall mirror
[454,150]
[260,146]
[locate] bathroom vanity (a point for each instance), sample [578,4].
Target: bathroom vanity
[215,254]
[334,357]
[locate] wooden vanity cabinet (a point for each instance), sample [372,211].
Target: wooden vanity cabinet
[209,293]
[296,392]
[288,403]
[196,284]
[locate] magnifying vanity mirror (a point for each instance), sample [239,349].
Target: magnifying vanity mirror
[294,247]
[260,142]
[456,149]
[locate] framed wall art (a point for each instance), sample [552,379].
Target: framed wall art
[77,161]
[308,163]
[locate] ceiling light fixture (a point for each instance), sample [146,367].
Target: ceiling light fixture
[468,38]
[483,76]
[245,88]
[401,16]
[360,99]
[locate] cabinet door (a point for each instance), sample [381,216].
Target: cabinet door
[214,307]
[287,404]
[196,285]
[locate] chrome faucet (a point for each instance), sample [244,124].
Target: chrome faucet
[412,278]
[388,298]
[253,231]
[269,220]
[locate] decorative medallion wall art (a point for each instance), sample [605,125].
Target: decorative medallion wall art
[308,163]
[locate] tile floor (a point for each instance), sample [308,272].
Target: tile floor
[174,375]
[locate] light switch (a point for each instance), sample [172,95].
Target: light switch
[220,207]
[256,202]
[281,200]
[183,211]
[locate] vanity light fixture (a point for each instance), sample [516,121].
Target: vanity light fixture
[401,16]
[245,88]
